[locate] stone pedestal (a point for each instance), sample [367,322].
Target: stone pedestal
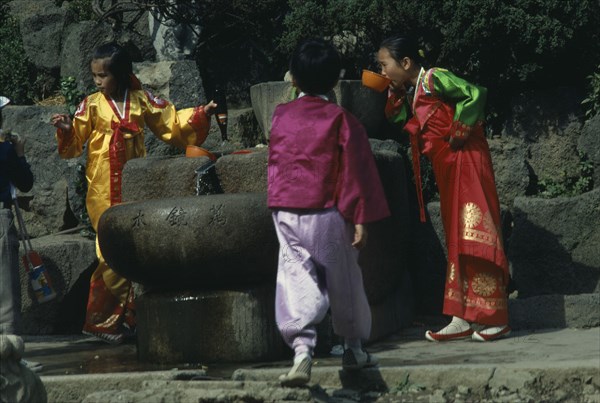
[208,326]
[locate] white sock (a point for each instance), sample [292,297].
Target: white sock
[457,325]
[298,358]
[492,330]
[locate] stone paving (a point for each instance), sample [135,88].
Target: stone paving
[529,366]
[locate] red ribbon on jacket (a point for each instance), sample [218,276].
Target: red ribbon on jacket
[413,128]
[118,157]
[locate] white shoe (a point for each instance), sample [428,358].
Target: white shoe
[299,374]
[500,333]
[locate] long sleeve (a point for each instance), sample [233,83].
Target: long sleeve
[360,195]
[15,170]
[178,128]
[23,177]
[70,144]
[469,100]
[397,109]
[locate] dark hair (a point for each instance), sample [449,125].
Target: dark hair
[119,63]
[400,47]
[315,66]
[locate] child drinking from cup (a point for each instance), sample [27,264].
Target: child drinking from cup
[444,120]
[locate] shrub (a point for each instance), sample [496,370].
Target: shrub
[569,186]
[505,46]
[592,102]
[17,75]
[73,97]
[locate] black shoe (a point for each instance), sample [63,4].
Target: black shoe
[351,362]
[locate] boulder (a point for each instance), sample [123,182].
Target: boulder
[41,24]
[554,311]
[81,40]
[177,81]
[365,104]
[554,245]
[172,42]
[45,205]
[550,130]
[69,261]
[79,43]
[511,169]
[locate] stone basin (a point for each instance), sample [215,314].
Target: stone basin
[195,242]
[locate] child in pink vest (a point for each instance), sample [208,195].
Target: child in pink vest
[323,187]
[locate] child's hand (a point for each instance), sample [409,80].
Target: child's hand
[61,121]
[210,107]
[360,236]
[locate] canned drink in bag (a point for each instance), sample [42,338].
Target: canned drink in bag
[41,285]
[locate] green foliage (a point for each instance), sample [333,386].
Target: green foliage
[505,46]
[73,97]
[569,186]
[17,76]
[592,102]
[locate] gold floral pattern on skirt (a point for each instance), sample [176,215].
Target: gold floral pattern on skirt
[470,215]
[484,284]
[451,271]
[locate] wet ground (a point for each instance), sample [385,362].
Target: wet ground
[79,354]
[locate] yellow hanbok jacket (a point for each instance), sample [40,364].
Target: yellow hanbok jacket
[114,137]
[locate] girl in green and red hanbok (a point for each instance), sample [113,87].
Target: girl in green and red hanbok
[444,120]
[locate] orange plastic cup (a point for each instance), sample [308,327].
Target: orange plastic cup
[375,81]
[192,151]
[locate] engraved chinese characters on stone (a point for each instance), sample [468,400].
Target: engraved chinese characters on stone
[177,217]
[218,216]
[138,220]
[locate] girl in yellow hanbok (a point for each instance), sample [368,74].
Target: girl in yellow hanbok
[111,122]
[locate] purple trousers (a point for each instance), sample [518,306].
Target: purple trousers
[318,269]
